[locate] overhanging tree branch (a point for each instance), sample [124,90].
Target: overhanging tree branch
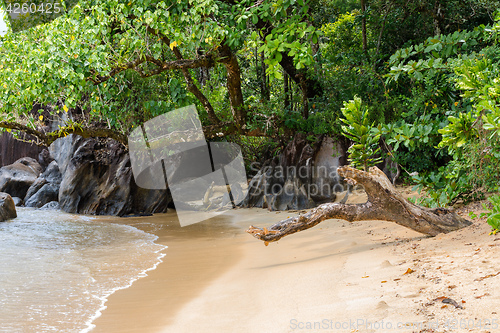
[87,132]
[23,128]
[46,139]
[162,66]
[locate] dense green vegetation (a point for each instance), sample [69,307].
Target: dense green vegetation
[427,73]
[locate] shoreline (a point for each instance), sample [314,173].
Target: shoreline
[217,278]
[194,257]
[90,322]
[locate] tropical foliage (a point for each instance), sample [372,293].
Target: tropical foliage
[420,78]
[365,150]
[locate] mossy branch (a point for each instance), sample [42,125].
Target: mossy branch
[45,139]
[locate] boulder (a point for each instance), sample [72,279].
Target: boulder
[51,205]
[147,202]
[44,158]
[7,207]
[303,176]
[326,182]
[35,187]
[52,174]
[62,150]
[47,193]
[18,201]
[17,178]
[391,169]
[97,179]
[45,188]
[389,166]
[31,164]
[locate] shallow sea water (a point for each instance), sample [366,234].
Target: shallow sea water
[57,269]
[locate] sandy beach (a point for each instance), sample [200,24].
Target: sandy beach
[125,123]
[371,276]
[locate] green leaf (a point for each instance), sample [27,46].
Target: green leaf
[494,220]
[279,57]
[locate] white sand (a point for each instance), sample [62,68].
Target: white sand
[217,278]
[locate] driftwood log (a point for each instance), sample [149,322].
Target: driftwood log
[384,203]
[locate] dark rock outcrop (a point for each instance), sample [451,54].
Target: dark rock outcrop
[18,201]
[7,207]
[63,149]
[146,202]
[51,205]
[52,174]
[17,178]
[47,193]
[35,187]
[46,187]
[44,158]
[302,177]
[97,179]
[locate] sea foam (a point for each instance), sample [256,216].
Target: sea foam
[57,270]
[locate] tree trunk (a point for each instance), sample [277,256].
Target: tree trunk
[203,76]
[193,88]
[286,89]
[384,203]
[234,85]
[438,18]
[363,26]
[258,70]
[46,139]
[379,41]
[264,82]
[311,87]
[305,100]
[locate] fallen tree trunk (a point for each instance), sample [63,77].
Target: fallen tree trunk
[384,203]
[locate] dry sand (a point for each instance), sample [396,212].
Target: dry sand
[336,277]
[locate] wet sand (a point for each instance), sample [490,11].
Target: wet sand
[196,255]
[336,277]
